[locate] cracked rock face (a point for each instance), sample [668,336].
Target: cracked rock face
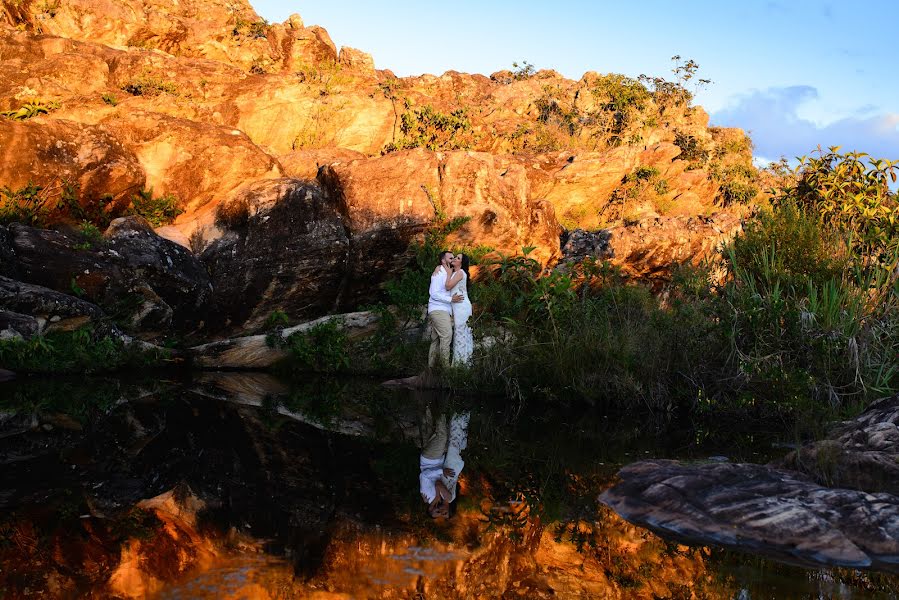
[841,511]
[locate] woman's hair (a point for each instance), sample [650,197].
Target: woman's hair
[465,263]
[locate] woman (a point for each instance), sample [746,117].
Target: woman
[457,283]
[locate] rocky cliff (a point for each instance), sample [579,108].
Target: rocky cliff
[302,173]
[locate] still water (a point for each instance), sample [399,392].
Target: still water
[243,485]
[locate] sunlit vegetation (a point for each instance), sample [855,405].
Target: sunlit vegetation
[149,85]
[425,127]
[31,109]
[44,206]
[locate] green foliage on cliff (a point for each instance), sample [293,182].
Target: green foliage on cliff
[30,109]
[157,210]
[147,84]
[425,127]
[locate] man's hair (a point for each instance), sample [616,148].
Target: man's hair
[441,255]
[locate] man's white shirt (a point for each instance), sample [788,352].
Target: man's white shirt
[438,296]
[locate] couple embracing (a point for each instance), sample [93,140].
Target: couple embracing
[449,308]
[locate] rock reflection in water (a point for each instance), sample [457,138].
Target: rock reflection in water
[242,485]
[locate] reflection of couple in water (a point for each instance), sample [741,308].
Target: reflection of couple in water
[442,440]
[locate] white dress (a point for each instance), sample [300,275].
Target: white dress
[463,341]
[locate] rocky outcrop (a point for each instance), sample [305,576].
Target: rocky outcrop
[54,154]
[832,502]
[861,454]
[759,509]
[646,250]
[285,247]
[388,200]
[203,102]
[150,283]
[578,245]
[26,310]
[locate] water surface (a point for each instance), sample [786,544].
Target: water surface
[242,485]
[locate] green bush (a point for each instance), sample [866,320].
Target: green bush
[323,349]
[149,85]
[84,350]
[425,127]
[158,211]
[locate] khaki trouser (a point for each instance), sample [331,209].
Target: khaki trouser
[435,443]
[441,337]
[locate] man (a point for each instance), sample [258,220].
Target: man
[440,312]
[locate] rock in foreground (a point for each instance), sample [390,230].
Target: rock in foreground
[760,509]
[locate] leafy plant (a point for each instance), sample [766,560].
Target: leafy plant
[323,349]
[31,109]
[425,127]
[158,211]
[110,99]
[522,71]
[851,192]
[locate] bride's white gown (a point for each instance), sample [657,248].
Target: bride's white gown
[463,341]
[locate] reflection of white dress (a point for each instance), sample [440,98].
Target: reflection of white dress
[463,341]
[457,442]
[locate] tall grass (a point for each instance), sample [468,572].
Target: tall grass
[797,330]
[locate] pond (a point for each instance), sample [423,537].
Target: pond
[244,485]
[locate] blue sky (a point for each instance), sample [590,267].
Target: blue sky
[794,73]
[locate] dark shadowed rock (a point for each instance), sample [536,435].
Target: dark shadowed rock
[861,454]
[760,509]
[161,268]
[30,309]
[134,275]
[17,325]
[580,244]
[840,510]
[285,248]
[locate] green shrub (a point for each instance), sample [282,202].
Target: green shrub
[851,191]
[30,109]
[84,350]
[323,349]
[619,93]
[110,99]
[428,128]
[737,192]
[158,211]
[522,71]
[26,205]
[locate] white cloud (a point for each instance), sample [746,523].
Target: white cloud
[771,117]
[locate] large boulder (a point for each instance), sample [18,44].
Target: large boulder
[646,250]
[760,509]
[285,247]
[27,310]
[195,161]
[861,454]
[146,282]
[831,502]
